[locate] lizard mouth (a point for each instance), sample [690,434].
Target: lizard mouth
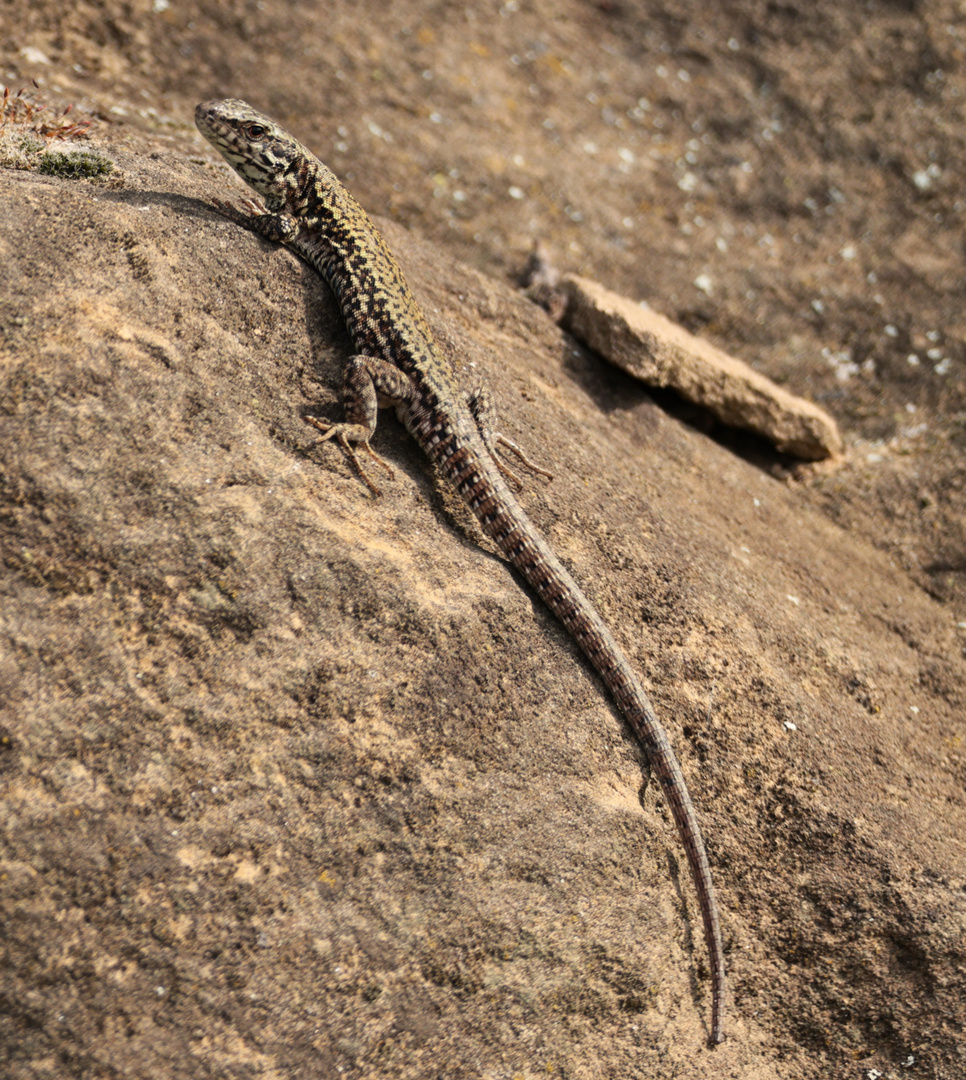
[211,123]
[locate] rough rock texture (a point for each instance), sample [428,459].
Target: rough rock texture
[295,782]
[658,352]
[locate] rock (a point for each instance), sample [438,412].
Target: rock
[659,352]
[295,780]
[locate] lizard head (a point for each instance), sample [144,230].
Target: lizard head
[261,152]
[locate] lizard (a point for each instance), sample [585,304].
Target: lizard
[398,364]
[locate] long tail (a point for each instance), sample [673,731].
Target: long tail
[504,520]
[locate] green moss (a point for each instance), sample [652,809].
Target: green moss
[74,164]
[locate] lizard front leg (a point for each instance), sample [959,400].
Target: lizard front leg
[369,383]
[277,227]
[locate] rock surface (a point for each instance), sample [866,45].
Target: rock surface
[299,783]
[660,353]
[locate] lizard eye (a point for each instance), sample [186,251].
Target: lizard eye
[256,131]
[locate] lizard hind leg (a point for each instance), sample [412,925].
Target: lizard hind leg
[345,435]
[368,382]
[484,413]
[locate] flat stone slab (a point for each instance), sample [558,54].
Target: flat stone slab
[659,352]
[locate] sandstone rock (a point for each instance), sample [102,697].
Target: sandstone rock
[659,352]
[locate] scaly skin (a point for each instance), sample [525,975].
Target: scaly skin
[398,363]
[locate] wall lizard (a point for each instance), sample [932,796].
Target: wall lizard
[398,364]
